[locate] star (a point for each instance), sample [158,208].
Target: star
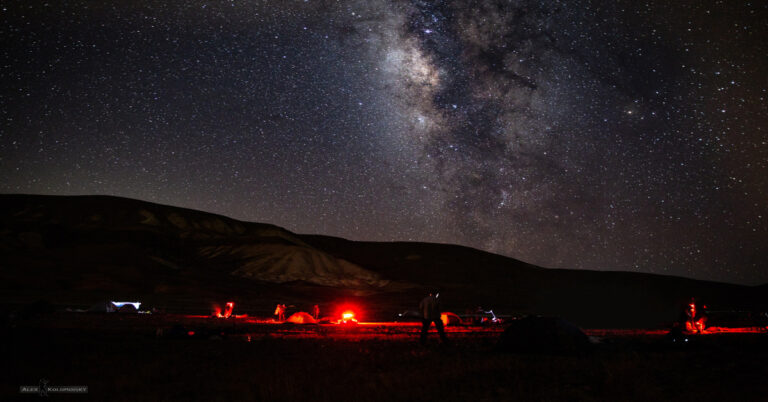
[545,133]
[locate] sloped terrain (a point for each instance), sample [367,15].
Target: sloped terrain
[81,249]
[281,263]
[473,278]
[76,248]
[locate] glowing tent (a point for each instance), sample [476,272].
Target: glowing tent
[301,318]
[449,318]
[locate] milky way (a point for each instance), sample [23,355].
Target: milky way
[597,135]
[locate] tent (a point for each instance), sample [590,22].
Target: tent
[449,318]
[102,307]
[127,308]
[543,335]
[301,318]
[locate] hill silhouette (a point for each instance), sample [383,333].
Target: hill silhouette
[81,249]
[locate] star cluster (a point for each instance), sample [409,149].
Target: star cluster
[584,134]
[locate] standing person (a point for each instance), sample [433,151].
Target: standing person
[316,311]
[280,312]
[430,310]
[691,311]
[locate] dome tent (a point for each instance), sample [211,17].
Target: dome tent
[451,319]
[103,307]
[301,318]
[543,335]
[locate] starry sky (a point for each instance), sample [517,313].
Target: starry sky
[610,135]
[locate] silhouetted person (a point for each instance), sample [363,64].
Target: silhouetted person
[694,315]
[316,311]
[280,312]
[697,315]
[430,310]
[479,316]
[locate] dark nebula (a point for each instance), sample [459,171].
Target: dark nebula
[617,135]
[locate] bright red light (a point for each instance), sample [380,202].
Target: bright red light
[347,317]
[227,311]
[700,325]
[696,326]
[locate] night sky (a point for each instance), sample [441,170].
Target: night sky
[621,135]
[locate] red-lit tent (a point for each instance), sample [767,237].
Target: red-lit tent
[449,318]
[301,318]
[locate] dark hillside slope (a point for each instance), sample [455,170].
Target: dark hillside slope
[85,248]
[474,277]
[89,247]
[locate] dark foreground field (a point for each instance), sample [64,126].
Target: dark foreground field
[128,362]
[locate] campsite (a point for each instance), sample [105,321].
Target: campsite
[122,356]
[384,200]
[140,301]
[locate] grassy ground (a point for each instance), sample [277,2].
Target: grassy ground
[134,365]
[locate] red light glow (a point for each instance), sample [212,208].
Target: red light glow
[347,317]
[227,311]
[697,326]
